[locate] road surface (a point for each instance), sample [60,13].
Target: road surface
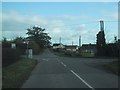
[68,72]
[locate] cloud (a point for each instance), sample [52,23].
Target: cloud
[14,20]
[72,17]
[15,24]
[110,15]
[60,1]
[115,15]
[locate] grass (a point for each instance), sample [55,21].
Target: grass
[16,74]
[114,67]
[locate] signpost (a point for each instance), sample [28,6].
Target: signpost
[30,53]
[13,45]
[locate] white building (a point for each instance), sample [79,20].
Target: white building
[72,48]
[58,46]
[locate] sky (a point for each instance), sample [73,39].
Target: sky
[60,0]
[67,20]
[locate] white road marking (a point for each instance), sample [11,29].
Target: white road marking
[45,59]
[63,64]
[82,80]
[58,60]
[78,77]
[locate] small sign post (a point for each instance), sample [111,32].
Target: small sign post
[30,53]
[13,45]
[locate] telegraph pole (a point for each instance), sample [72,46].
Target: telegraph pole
[79,41]
[72,43]
[60,40]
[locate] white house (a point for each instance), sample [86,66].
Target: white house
[13,45]
[58,46]
[88,49]
[72,48]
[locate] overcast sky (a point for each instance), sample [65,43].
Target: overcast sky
[67,20]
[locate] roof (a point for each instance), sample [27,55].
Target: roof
[71,46]
[88,46]
[57,44]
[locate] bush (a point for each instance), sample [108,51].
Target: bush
[6,44]
[35,47]
[70,53]
[21,48]
[9,56]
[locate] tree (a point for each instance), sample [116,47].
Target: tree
[20,44]
[6,43]
[101,43]
[35,47]
[38,35]
[18,40]
[119,49]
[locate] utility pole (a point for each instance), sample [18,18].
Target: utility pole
[119,33]
[79,41]
[60,40]
[115,39]
[72,43]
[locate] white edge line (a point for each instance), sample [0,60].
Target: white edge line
[82,80]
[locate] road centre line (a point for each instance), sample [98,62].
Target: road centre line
[44,59]
[79,77]
[63,64]
[58,60]
[82,80]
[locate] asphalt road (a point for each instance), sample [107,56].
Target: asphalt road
[68,72]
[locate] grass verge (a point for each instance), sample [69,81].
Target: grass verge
[114,67]
[14,76]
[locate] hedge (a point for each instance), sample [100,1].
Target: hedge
[9,56]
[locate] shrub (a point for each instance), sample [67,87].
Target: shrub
[21,48]
[9,56]
[6,44]
[70,53]
[35,47]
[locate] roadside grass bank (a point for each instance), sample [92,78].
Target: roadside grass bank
[14,76]
[114,67]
